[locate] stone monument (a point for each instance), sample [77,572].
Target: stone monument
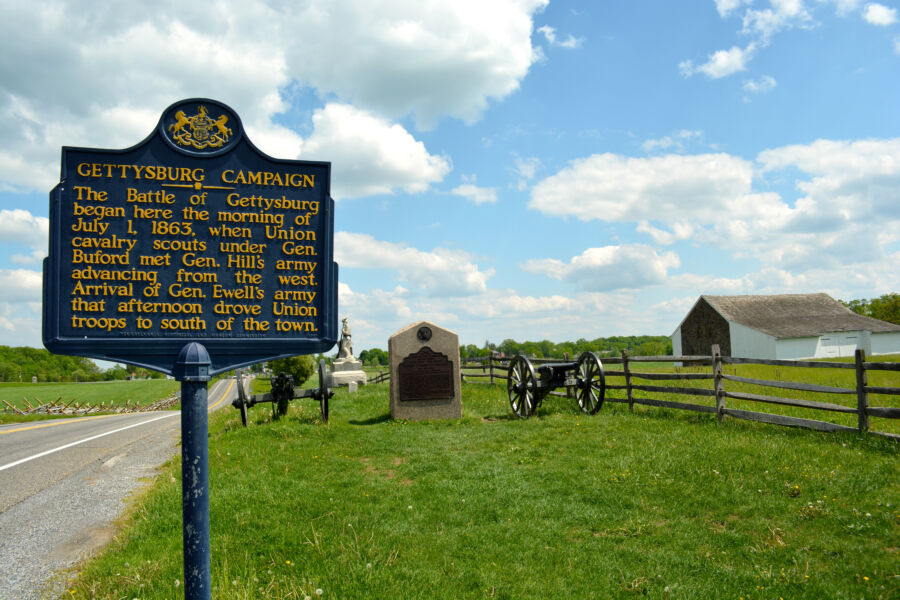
[425,380]
[346,367]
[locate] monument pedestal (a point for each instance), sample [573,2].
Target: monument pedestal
[425,380]
[347,370]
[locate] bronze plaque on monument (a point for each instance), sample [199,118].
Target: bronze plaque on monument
[425,375]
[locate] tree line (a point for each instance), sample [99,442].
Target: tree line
[23,364]
[885,308]
[637,345]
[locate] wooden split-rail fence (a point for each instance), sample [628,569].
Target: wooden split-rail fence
[630,386]
[58,407]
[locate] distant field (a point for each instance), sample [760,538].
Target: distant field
[655,503]
[141,392]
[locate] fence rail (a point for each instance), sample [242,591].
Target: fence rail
[493,368]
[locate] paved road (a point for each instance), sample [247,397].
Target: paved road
[63,482]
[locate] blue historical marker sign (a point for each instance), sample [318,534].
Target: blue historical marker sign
[193,235]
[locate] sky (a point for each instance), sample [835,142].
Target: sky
[524,169]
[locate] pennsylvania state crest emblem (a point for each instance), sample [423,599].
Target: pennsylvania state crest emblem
[200,131]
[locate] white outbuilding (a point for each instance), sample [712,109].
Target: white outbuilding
[785,326]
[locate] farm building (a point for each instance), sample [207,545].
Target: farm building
[787,326]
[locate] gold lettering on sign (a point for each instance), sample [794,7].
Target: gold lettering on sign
[157,252]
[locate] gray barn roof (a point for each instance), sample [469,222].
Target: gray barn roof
[795,315]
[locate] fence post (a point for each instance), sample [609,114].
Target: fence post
[491,363]
[629,393]
[719,382]
[862,397]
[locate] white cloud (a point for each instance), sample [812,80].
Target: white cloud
[760,25]
[569,42]
[783,14]
[525,169]
[846,211]
[849,199]
[427,59]
[20,285]
[375,306]
[515,304]
[35,257]
[478,195]
[762,85]
[677,141]
[615,188]
[22,227]
[709,284]
[20,325]
[849,182]
[846,6]
[369,155]
[727,7]
[441,272]
[720,63]
[608,268]
[508,304]
[879,14]
[681,230]
[101,79]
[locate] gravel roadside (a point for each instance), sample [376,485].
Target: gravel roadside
[45,535]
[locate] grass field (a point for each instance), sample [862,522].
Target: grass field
[139,392]
[655,503]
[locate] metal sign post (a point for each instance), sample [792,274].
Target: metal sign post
[192,369]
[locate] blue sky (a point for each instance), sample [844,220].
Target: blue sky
[506,169]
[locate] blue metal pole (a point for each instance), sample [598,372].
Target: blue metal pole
[192,369]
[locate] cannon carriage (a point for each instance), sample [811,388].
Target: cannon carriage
[283,392]
[527,387]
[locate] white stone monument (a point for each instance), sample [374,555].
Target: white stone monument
[346,367]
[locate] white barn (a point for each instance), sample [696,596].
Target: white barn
[787,326]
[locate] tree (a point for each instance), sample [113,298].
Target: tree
[654,348]
[509,347]
[378,357]
[117,372]
[885,307]
[299,367]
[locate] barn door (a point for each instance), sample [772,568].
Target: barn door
[836,345]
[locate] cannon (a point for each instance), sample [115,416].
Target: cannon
[527,387]
[283,392]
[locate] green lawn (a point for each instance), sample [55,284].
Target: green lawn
[141,392]
[655,503]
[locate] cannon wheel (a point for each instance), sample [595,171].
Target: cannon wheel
[591,389]
[324,390]
[521,386]
[242,396]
